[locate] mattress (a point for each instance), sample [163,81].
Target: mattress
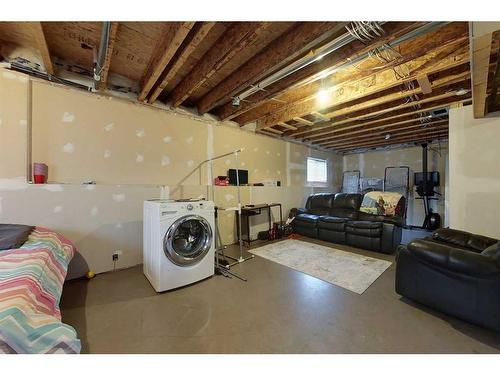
[31,282]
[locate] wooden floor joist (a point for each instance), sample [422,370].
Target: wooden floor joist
[275,131]
[414,123]
[303,121]
[288,126]
[371,85]
[316,71]
[393,116]
[236,38]
[395,141]
[200,31]
[437,48]
[174,35]
[301,38]
[413,130]
[41,43]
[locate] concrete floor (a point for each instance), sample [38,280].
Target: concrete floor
[278,310]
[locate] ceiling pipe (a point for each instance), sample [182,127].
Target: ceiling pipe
[101,53]
[328,48]
[43,75]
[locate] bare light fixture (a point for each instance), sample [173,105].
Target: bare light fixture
[322,96]
[460,92]
[387,137]
[236,102]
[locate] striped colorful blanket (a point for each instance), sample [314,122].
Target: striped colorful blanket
[31,282]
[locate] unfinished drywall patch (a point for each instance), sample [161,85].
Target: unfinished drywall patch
[68,148]
[165,160]
[119,197]
[55,188]
[109,127]
[140,133]
[68,117]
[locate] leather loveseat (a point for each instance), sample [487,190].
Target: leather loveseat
[336,218]
[455,272]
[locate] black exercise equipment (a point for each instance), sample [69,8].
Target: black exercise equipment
[425,182]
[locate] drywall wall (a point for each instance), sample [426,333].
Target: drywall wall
[13,124]
[373,164]
[133,153]
[474,199]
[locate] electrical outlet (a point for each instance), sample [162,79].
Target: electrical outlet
[116,255]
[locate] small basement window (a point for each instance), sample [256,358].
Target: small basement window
[316,170]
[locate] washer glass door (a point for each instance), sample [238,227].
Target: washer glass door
[188,240]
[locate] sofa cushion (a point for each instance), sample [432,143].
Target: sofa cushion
[344,213]
[364,228]
[333,223]
[319,201]
[396,220]
[306,220]
[460,238]
[319,211]
[347,201]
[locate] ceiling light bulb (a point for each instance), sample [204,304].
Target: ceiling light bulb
[323,96]
[387,136]
[461,92]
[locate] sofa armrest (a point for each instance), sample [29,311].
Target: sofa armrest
[453,259]
[301,211]
[391,237]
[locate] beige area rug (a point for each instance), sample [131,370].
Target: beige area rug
[351,271]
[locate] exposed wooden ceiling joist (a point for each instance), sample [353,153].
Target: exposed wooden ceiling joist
[299,40]
[285,125]
[237,37]
[41,43]
[436,45]
[351,123]
[409,130]
[373,84]
[441,134]
[485,50]
[199,32]
[315,71]
[167,46]
[414,123]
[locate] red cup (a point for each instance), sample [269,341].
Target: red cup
[39,178]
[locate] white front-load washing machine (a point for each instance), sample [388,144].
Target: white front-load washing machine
[178,243]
